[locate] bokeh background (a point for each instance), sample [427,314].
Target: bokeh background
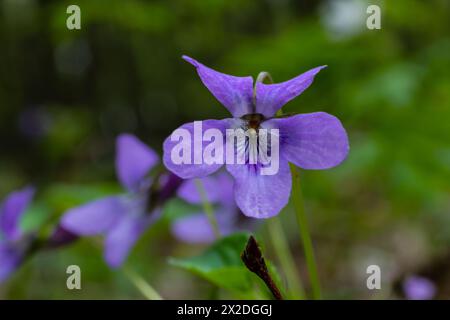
[66,94]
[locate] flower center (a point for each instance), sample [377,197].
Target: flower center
[255,147]
[253,120]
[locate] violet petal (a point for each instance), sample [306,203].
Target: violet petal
[95,217]
[218,188]
[12,209]
[419,288]
[9,260]
[313,140]
[197,229]
[134,159]
[261,196]
[235,93]
[188,143]
[122,237]
[271,97]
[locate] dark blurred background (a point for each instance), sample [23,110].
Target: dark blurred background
[66,94]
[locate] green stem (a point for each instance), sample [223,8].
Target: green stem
[143,286]
[207,207]
[301,219]
[304,233]
[285,258]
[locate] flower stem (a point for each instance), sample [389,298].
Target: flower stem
[143,286]
[207,207]
[304,233]
[285,258]
[262,77]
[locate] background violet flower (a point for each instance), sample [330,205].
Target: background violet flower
[13,243]
[196,228]
[122,218]
[418,288]
[310,141]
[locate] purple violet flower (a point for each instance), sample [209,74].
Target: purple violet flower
[196,228]
[13,242]
[419,288]
[121,218]
[310,141]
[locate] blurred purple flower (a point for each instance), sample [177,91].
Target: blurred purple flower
[122,218]
[419,288]
[13,242]
[196,228]
[310,141]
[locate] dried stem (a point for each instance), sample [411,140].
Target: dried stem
[254,261]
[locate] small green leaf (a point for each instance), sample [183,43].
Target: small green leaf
[221,264]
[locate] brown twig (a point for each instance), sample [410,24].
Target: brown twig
[254,261]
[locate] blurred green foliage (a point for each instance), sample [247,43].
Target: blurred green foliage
[65,95]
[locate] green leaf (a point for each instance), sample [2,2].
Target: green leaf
[221,264]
